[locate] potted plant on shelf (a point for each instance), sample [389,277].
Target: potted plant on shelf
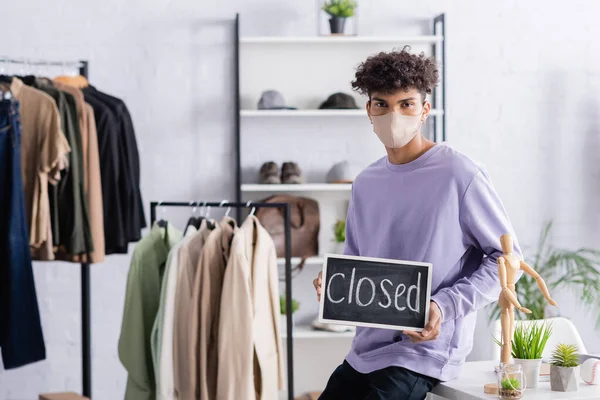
[339,232]
[528,344]
[338,11]
[564,369]
[576,270]
[282,307]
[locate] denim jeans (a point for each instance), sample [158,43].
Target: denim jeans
[21,337]
[388,383]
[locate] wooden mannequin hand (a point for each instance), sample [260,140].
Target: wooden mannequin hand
[432,328]
[551,301]
[510,296]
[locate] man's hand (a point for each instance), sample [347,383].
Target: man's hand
[432,328]
[317,284]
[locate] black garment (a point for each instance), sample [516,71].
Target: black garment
[130,163]
[67,198]
[115,236]
[385,384]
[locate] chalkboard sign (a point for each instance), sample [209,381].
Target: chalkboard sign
[375,292]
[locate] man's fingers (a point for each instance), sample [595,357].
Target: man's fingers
[317,284]
[431,325]
[414,336]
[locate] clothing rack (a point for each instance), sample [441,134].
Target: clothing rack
[285,207]
[86,343]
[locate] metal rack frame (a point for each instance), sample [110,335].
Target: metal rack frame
[285,207]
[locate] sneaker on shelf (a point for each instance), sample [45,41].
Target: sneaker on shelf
[322,326]
[269,173]
[291,173]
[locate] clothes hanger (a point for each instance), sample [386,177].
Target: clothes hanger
[228,208]
[78,81]
[253,208]
[210,224]
[162,223]
[5,76]
[191,220]
[200,217]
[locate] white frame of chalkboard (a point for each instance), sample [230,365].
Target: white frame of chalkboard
[429,267]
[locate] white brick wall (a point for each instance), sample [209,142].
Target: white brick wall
[523,98]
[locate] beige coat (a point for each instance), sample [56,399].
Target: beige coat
[250,353]
[184,356]
[207,303]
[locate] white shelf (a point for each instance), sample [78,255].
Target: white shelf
[425,39]
[309,187]
[307,332]
[303,113]
[313,113]
[296,261]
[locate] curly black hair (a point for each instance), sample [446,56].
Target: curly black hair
[396,70]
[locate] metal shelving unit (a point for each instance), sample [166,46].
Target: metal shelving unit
[437,42]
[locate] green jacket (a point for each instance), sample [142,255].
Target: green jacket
[141,305]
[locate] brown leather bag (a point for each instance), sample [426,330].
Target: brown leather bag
[305,223]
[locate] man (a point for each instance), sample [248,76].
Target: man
[422,202]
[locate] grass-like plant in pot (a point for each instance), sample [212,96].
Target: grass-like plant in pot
[564,369]
[338,11]
[282,305]
[528,344]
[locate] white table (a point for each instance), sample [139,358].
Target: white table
[469,386]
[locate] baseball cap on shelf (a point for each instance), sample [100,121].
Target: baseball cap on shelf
[343,172]
[272,100]
[339,101]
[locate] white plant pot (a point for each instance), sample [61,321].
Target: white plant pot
[339,247]
[531,370]
[564,379]
[283,323]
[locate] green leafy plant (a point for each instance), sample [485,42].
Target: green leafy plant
[282,304]
[577,270]
[529,340]
[510,384]
[565,355]
[339,230]
[340,8]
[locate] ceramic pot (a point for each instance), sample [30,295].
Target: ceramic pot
[336,24]
[339,247]
[283,323]
[531,370]
[564,379]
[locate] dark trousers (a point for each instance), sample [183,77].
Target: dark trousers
[389,383]
[21,336]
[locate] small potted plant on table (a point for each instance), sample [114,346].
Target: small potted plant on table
[510,388]
[510,381]
[338,11]
[564,369]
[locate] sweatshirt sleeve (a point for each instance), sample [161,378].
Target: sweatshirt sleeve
[351,246]
[483,220]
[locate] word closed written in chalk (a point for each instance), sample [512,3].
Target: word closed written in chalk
[375,292]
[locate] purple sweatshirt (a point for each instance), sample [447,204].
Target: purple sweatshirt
[440,208]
